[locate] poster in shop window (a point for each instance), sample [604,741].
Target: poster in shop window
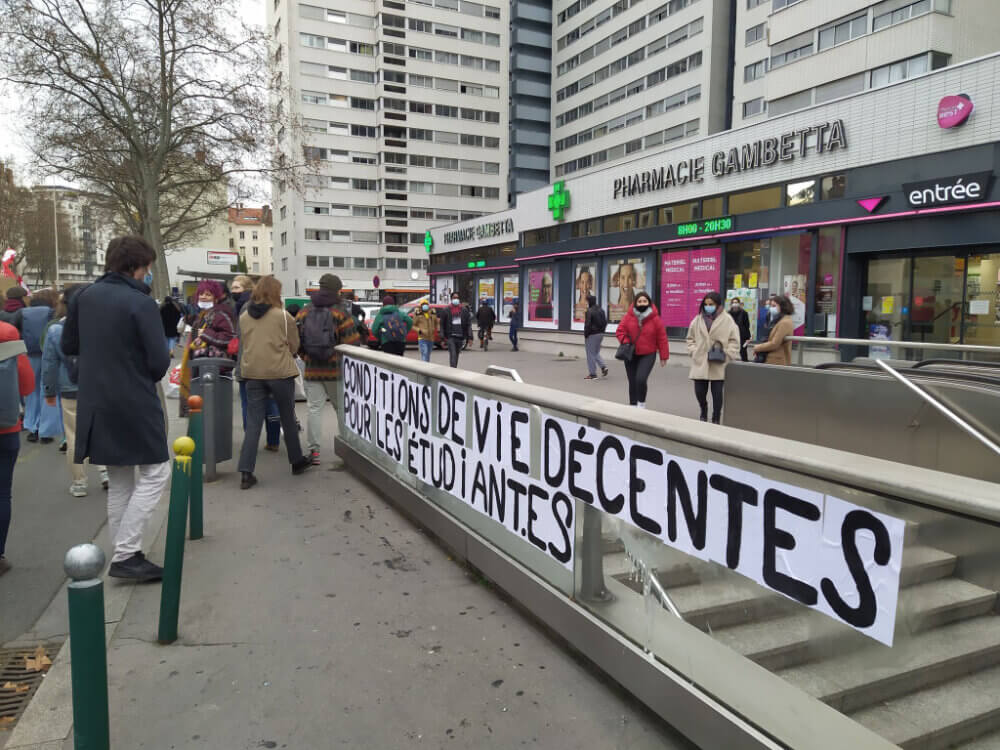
[442,289]
[795,290]
[510,292]
[687,276]
[540,295]
[584,275]
[488,291]
[626,276]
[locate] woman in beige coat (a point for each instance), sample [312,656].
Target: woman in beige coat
[269,340]
[713,340]
[777,351]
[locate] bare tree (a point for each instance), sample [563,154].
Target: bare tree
[163,105]
[15,200]
[39,248]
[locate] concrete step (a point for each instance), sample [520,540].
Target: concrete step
[850,682]
[939,717]
[989,741]
[722,602]
[922,564]
[673,569]
[791,640]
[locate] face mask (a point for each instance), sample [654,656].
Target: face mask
[641,308]
[425,308]
[455,302]
[710,309]
[773,311]
[735,308]
[148,278]
[205,305]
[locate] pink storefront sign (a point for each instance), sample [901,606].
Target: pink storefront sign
[685,278]
[954,110]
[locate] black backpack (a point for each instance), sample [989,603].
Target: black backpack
[600,320]
[319,334]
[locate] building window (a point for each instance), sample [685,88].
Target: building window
[900,71]
[755,71]
[284,264]
[751,4]
[844,31]
[833,186]
[256,251]
[791,50]
[898,15]
[755,200]
[284,239]
[800,193]
[754,107]
[755,33]
[779,4]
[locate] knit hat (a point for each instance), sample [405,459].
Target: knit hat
[330,283]
[388,300]
[17,292]
[211,287]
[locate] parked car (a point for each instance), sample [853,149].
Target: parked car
[408,308]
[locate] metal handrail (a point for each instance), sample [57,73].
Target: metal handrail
[928,345]
[962,424]
[950,377]
[504,372]
[957,362]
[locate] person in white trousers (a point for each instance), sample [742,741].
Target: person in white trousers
[114,328]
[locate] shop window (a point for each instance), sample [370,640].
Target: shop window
[711,208]
[619,223]
[541,297]
[584,284]
[586,228]
[799,193]
[647,218]
[624,277]
[771,265]
[833,186]
[679,213]
[755,200]
[982,319]
[541,236]
[828,259]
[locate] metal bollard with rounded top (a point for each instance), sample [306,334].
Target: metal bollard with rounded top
[83,564]
[209,426]
[173,562]
[196,432]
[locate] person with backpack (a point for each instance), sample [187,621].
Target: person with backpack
[426,323]
[13,305]
[323,324]
[17,380]
[43,422]
[59,381]
[170,314]
[391,326]
[456,328]
[595,321]
[486,318]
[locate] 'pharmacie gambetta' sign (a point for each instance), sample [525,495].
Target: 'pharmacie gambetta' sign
[945,191]
[483,231]
[826,137]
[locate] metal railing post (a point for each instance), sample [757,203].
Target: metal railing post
[208,422]
[196,433]
[504,372]
[89,678]
[173,559]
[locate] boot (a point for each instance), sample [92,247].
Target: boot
[715,419]
[704,414]
[247,480]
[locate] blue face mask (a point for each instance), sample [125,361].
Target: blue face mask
[148,278]
[710,309]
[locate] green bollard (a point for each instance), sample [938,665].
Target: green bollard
[89,667]
[196,432]
[173,563]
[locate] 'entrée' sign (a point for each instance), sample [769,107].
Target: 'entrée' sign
[826,553]
[944,191]
[483,231]
[795,144]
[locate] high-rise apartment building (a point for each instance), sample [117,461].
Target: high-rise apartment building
[790,54]
[405,111]
[530,94]
[630,76]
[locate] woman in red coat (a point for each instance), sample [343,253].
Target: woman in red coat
[642,327]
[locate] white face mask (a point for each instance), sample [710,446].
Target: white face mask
[205,305]
[455,301]
[774,311]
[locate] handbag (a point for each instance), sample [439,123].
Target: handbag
[625,351]
[716,353]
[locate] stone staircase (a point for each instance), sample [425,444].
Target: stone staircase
[937,687]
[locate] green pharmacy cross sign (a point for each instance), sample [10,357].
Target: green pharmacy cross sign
[428,240]
[559,200]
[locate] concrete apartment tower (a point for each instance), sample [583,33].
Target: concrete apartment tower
[790,54]
[406,115]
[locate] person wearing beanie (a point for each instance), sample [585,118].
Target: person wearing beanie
[12,307]
[323,324]
[391,327]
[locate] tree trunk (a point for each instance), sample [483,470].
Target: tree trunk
[151,231]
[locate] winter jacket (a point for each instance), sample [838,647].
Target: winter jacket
[742,320]
[384,313]
[25,375]
[347,333]
[213,331]
[652,337]
[170,314]
[55,375]
[515,317]
[34,320]
[114,326]
[12,312]
[486,317]
[593,317]
[270,342]
[700,340]
[777,350]
[448,328]
[426,324]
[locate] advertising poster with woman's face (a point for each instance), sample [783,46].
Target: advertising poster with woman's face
[443,286]
[540,295]
[795,290]
[625,278]
[510,294]
[585,285]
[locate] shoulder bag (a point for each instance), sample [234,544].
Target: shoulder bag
[626,350]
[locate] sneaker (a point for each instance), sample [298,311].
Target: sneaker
[78,489]
[32,437]
[247,480]
[105,479]
[272,448]
[300,466]
[590,377]
[4,565]
[62,447]
[137,568]
[314,457]
[604,371]
[46,441]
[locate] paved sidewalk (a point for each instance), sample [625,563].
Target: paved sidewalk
[313,615]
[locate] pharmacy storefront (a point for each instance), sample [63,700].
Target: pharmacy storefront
[869,233]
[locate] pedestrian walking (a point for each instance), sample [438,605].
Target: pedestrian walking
[426,323]
[486,318]
[391,326]
[170,314]
[59,381]
[595,321]
[456,328]
[241,289]
[642,331]
[514,318]
[324,324]
[17,380]
[742,320]
[713,339]
[269,344]
[775,350]
[113,327]
[468,340]
[13,305]
[43,422]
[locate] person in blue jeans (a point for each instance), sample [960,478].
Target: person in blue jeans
[515,322]
[42,421]
[240,289]
[426,322]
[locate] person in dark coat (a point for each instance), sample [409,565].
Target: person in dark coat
[738,314]
[170,316]
[486,318]
[12,306]
[114,327]
[456,327]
